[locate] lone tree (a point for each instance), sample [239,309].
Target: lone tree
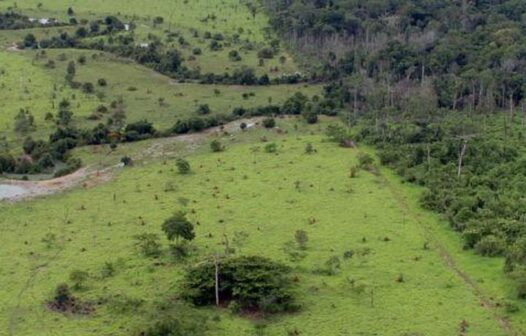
[178,226]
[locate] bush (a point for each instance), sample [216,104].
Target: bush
[147,244]
[365,161]
[490,246]
[127,161]
[183,166]
[88,88]
[203,109]
[266,53]
[271,148]
[269,123]
[311,117]
[254,283]
[216,146]
[102,82]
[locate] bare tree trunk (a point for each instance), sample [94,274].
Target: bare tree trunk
[227,244]
[461,157]
[428,157]
[512,110]
[216,264]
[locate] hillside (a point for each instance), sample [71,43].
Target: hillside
[273,167]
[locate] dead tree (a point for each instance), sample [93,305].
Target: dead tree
[461,157]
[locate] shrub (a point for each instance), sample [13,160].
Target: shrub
[88,88]
[490,246]
[266,53]
[253,282]
[216,146]
[127,161]
[271,148]
[147,244]
[203,109]
[311,117]
[183,166]
[269,122]
[365,161]
[102,82]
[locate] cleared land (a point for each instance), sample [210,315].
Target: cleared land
[372,216]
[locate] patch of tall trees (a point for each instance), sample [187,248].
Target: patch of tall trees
[474,171]
[460,54]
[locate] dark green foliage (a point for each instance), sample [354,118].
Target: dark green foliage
[337,133]
[178,226]
[203,109]
[147,244]
[127,161]
[481,200]
[30,42]
[216,146]
[254,283]
[266,53]
[139,130]
[467,53]
[13,21]
[24,121]
[234,56]
[183,166]
[269,122]
[102,82]
[271,148]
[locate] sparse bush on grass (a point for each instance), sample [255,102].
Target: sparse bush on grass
[269,122]
[309,149]
[216,146]
[271,148]
[148,245]
[183,166]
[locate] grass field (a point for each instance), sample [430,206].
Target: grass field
[374,216]
[187,19]
[402,271]
[40,89]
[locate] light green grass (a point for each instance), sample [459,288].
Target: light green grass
[264,203]
[28,83]
[182,17]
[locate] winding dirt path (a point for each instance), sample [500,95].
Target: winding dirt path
[89,177]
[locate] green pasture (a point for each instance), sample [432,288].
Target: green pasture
[396,283]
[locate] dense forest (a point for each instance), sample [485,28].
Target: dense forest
[456,54]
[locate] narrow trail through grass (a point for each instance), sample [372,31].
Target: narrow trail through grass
[447,258]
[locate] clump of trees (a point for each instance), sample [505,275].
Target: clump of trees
[252,283]
[13,21]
